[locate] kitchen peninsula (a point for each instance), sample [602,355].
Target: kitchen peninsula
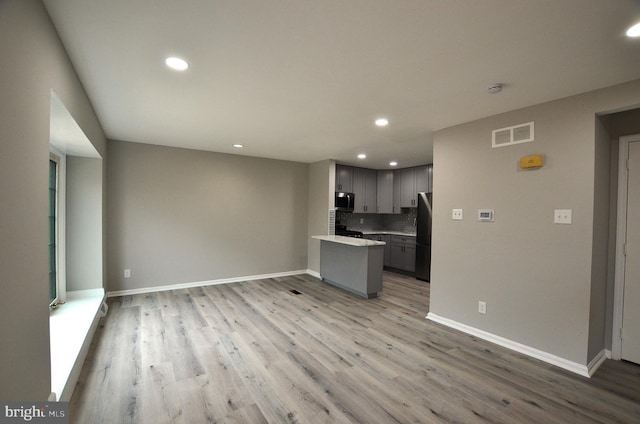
[354,264]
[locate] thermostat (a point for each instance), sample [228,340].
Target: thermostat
[485,214]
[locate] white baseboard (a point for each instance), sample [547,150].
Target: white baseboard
[595,363]
[203,283]
[583,370]
[314,274]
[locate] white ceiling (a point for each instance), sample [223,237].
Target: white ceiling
[303,80]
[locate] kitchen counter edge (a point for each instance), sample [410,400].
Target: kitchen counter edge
[351,241]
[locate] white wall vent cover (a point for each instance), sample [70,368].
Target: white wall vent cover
[512,135]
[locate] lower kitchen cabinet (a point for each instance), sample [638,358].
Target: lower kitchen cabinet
[403,253]
[387,247]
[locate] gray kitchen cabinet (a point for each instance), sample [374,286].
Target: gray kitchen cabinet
[370,191]
[365,189]
[344,178]
[387,247]
[409,258]
[403,253]
[411,181]
[397,256]
[408,193]
[384,195]
[397,188]
[384,191]
[422,179]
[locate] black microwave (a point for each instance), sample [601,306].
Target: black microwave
[345,201]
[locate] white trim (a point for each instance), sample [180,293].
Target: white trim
[314,274]
[72,327]
[61,222]
[621,232]
[583,370]
[203,283]
[598,360]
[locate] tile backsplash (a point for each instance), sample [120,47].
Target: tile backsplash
[403,222]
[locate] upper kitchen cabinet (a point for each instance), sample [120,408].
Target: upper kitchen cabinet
[344,178]
[408,192]
[397,189]
[365,190]
[385,191]
[422,179]
[411,181]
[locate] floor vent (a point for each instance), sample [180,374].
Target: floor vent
[294,291]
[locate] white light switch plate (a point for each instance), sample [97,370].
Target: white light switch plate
[562,216]
[456,214]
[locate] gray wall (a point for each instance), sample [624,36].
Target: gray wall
[599,253]
[619,124]
[183,216]
[540,280]
[33,62]
[321,198]
[84,223]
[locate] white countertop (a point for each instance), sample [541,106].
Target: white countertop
[351,241]
[390,233]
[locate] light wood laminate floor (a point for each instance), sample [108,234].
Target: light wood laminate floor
[255,352]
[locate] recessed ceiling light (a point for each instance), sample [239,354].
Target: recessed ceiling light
[362,156]
[634,31]
[382,122]
[238,146]
[394,163]
[176,63]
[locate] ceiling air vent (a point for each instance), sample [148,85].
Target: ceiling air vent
[512,135]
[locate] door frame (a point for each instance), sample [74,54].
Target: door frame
[621,231]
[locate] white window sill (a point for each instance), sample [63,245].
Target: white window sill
[71,328]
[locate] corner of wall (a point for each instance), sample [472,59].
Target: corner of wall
[321,184]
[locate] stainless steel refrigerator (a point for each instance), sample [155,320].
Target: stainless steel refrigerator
[423,237]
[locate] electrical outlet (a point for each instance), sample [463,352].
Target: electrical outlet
[482,307]
[127,273]
[562,216]
[362,220]
[456,214]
